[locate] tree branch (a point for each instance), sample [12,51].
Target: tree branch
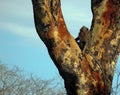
[85,72]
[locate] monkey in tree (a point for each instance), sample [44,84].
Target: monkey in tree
[83,37]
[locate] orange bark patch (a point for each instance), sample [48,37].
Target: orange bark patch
[110,8]
[62,26]
[108,16]
[108,34]
[96,75]
[85,67]
[98,83]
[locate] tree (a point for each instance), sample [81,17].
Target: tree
[87,71]
[13,82]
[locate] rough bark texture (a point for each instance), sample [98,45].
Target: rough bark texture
[88,71]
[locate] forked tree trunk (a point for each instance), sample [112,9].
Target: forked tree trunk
[89,71]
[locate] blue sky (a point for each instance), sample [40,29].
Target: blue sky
[19,42]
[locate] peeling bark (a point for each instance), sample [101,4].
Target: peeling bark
[89,71]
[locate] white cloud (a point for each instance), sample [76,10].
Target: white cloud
[16,16]
[15,8]
[17,29]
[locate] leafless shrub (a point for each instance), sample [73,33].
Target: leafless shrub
[14,82]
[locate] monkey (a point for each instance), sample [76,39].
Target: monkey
[83,37]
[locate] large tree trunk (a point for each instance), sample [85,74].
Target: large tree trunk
[87,71]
